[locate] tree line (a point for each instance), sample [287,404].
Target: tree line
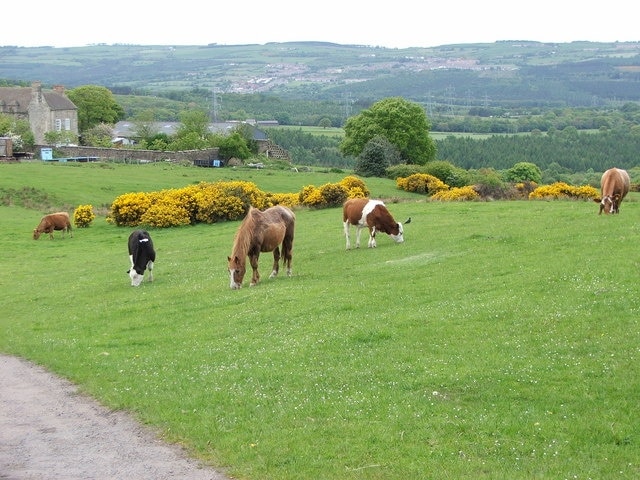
[558,153]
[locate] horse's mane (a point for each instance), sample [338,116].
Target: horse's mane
[242,240]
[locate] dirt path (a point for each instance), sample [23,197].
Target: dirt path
[48,430]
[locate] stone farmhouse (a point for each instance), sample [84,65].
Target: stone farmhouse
[46,110]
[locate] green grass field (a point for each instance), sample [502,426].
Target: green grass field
[501,340]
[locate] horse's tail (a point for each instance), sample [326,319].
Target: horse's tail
[287,242]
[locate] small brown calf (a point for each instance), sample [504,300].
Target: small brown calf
[51,222]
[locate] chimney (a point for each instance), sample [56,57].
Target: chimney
[36,91]
[59,89]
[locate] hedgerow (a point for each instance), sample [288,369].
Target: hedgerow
[456,194]
[563,190]
[220,201]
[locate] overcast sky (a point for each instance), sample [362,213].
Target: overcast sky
[393,24]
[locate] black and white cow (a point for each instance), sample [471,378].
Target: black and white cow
[142,256]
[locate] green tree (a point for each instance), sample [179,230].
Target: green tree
[404,124]
[524,172]
[447,172]
[19,130]
[144,126]
[234,145]
[95,105]
[62,137]
[377,155]
[194,124]
[98,136]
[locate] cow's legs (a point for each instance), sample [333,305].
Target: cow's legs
[372,237]
[150,268]
[358,231]
[346,234]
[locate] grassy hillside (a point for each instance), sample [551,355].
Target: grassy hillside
[506,74]
[499,341]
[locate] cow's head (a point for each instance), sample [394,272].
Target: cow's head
[237,270]
[36,234]
[609,203]
[397,232]
[136,277]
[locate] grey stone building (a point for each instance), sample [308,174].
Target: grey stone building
[46,110]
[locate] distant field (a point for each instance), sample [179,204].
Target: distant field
[339,132]
[499,341]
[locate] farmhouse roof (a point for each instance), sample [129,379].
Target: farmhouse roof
[17,99]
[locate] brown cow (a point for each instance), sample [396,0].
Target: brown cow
[363,212]
[614,186]
[51,222]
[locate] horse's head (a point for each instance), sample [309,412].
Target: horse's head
[237,270]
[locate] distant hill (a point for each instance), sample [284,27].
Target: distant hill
[507,74]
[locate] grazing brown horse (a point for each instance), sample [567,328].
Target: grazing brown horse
[262,232]
[614,186]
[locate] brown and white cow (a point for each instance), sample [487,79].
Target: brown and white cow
[371,214]
[614,186]
[51,222]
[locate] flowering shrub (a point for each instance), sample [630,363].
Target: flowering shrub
[248,192]
[186,199]
[456,194]
[166,211]
[219,201]
[215,205]
[83,216]
[355,187]
[357,192]
[421,183]
[563,190]
[333,194]
[311,196]
[285,199]
[127,210]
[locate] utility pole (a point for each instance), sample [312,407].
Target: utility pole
[346,105]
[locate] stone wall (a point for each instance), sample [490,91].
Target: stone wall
[132,155]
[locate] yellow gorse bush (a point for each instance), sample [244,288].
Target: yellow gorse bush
[563,190]
[421,183]
[355,187]
[285,199]
[311,196]
[456,194]
[127,210]
[209,202]
[83,216]
[215,205]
